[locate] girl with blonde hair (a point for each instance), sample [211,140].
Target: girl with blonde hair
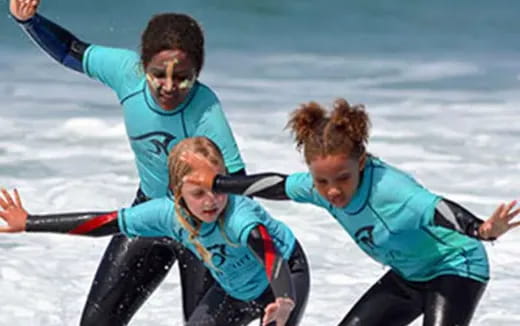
[259,267]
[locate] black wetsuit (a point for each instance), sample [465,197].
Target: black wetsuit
[446,300]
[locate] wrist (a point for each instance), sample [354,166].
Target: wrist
[483,235]
[26,20]
[22,21]
[480,233]
[287,301]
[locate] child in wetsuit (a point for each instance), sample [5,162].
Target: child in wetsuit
[438,265]
[259,267]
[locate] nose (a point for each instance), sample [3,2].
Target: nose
[333,192]
[212,197]
[169,85]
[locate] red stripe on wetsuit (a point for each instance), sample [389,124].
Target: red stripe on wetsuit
[269,251]
[94,223]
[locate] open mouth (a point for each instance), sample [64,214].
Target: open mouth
[212,211]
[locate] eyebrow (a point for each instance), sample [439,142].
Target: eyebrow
[338,175]
[179,71]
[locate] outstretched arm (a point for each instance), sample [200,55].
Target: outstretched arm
[59,43]
[93,224]
[264,185]
[278,274]
[90,224]
[453,216]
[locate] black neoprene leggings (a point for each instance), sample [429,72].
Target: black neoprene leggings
[446,300]
[219,309]
[131,269]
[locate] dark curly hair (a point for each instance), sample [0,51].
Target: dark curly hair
[173,31]
[344,131]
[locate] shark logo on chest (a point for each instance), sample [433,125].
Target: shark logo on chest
[159,141]
[364,236]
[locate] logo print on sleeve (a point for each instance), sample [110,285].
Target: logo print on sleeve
[159,140]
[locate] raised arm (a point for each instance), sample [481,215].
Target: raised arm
[57,42]
[278,274]
[89,224]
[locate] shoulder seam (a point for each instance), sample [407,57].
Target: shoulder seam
[129,96]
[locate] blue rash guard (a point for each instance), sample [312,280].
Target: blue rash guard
[234,265]
[391,219]
[153,131]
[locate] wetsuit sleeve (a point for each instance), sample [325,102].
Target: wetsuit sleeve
[57,42]
[153,218]
[276,268]
[89,224]
[214,125]
[451,215]
[300,188]
[263,185]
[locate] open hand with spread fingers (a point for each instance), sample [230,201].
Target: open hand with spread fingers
[500,222]
[12,212]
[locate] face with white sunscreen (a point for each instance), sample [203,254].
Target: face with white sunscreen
[170,75]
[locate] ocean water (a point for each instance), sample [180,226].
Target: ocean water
[440,81]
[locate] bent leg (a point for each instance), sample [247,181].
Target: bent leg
[452,301]
[390,302]
[196,279]
[131,269]
[219,309]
